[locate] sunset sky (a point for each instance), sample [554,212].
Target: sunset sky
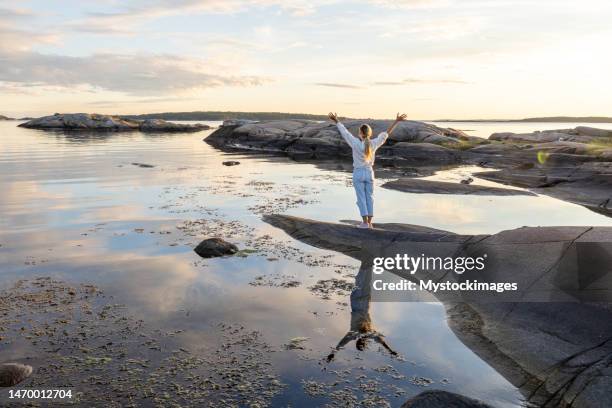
[371,58]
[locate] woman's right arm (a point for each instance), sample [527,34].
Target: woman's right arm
[346,135]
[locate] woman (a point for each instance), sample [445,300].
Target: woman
[364,150]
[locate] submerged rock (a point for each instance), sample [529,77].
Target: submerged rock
[13,373]
[443,399]
[215,247]
[93,121]
[419,186]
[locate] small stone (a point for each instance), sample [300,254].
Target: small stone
[215,247]
[13,373]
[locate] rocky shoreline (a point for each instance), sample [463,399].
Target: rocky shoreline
[93,121]
[574,165]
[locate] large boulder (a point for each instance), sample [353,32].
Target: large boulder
[94,121]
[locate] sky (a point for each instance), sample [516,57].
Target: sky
[433,59]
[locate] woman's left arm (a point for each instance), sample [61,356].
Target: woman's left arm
[382,138]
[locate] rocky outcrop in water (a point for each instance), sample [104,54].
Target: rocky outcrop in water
[559,352]
[2,117]
[305,138]
[571,164]
[93,121]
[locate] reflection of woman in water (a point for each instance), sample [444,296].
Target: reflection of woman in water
[361,329]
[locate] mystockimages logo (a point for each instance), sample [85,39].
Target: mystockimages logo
[413,265]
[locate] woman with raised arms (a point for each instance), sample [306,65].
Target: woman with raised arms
[364,149]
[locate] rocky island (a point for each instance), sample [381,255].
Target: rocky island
[571,164]
[94,121]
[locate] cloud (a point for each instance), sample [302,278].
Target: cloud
[136,12]
[130,74]
[13,37]
[419,81]
[111,103]
[335,85]
[412,3]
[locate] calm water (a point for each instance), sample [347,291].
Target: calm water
[74,206]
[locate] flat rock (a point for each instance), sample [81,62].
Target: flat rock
[419,186]
[12,374]
[443,399]
[215,247]
[93,121]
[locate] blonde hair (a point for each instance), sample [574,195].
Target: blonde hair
[366,132]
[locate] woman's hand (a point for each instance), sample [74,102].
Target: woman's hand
[398,118]
[333,117]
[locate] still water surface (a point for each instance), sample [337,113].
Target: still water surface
[76,207]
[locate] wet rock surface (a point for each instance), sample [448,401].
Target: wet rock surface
[443,399]
[87,121]
[558,353]
[215,247]
[442,187]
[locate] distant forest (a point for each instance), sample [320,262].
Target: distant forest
[218,115]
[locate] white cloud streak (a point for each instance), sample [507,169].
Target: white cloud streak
[130,74]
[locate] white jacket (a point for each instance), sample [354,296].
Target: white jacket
[358,146]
